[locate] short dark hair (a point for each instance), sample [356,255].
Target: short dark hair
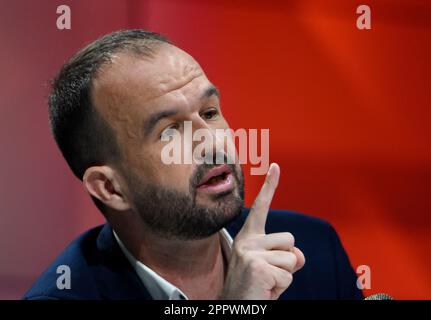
[83,136]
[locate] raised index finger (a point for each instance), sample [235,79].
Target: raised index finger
[256,219]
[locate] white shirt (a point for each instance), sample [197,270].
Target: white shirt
[157,286]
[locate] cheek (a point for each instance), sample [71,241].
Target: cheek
[175,176]
[172,176]
[140,161]
[149,167]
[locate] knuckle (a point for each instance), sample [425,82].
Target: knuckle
[246,256]
[287,278]
[240,247]
[237,247]
[257,267]
[293,260]
[290,239]
[267,181]
[243,255]
[253,206]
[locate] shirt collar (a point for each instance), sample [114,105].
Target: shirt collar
[157,286]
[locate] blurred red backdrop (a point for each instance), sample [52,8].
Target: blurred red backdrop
[348,112]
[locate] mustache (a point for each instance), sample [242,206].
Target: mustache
[202,169]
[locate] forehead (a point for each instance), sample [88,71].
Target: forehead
[132,80]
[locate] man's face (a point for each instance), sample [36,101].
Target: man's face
[144,99]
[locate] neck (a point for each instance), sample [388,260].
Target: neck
[188,264]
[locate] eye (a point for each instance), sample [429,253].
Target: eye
[210,114]
[169,131]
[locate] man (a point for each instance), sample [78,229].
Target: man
[170,228]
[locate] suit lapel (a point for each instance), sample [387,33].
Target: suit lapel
[115,277]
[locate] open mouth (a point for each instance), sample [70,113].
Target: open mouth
[217,180]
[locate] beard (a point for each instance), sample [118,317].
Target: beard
[176,215]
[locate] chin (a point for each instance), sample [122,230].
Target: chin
[218,199]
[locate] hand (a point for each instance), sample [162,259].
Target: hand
[261,265]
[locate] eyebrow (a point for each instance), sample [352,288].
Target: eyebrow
[151,122]
[211,91]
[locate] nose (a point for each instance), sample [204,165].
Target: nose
[208,145]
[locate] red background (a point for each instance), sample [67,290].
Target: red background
[348,112]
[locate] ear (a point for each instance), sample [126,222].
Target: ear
[102,183]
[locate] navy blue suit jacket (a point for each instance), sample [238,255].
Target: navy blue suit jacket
[99,269]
